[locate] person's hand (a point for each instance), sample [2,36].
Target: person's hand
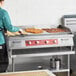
[21,31]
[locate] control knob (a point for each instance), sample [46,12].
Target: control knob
[55,41]
[46,42]
[29,42]
[37,42]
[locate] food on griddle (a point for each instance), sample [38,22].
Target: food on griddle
[54,30]
[34,30]
[60,28]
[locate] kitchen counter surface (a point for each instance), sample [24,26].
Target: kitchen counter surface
[29,73]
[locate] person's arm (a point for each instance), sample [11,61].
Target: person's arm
[7,23]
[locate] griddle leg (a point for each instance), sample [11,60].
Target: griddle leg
[69,65]
[13,65]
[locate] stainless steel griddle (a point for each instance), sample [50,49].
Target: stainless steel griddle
[41,45]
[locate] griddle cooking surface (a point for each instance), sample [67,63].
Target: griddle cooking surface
[45,33]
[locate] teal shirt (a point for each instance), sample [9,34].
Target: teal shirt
[6,22]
